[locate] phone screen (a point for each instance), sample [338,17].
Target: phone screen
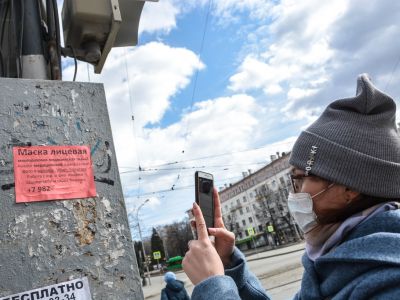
[205,197]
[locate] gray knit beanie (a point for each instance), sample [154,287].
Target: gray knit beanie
[355,143]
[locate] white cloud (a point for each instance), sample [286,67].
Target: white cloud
[158,16]
[317,51]
[152,74]
[298,56]
[233,117]
[293,58]
[228,10]
[156,73]
[154,202]
[296,93]
[273,89]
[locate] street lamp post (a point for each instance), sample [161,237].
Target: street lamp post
[140,235]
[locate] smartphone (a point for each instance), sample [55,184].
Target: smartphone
[204,185]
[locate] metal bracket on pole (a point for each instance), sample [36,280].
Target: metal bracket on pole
[115,25]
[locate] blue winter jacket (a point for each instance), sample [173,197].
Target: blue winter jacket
[366,265]
[174,290]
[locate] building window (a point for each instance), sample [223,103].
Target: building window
[254,206]
[260,228]
[237,224]
[282,180]
[247,209]
[251,195]
[250,219]
[244,199]
[229,218]
[238,201]
[247,234]
[240,235]
[244,222]
[241,211]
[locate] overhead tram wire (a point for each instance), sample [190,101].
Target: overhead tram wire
[128,80]
[180,188]
[393,70]
[160,182]
[194,167]
[210,156]
[195,84]
[166,177]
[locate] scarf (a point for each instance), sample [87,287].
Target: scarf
[324,238]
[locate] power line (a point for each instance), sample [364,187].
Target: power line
[132,114]
[179,188]
[160,182]
[394,69]
[192,167]
[164,177]
[195,82]
[164,182]
[212,156]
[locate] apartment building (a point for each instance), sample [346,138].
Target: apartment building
[255,208]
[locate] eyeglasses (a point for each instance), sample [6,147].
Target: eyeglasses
[297,181]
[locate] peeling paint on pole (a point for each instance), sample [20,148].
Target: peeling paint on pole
[45,243]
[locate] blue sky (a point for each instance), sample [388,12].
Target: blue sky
[266,70]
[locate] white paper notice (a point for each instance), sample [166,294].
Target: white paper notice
[77,289]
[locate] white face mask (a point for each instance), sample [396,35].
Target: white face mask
[301,208]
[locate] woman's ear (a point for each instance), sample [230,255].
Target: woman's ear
[351,195]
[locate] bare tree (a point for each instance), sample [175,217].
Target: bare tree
[231,223]
[263,210]
[176,237]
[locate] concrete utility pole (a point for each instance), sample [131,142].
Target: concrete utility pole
[47,243]
[50,242]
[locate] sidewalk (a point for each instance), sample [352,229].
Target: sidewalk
[253,255]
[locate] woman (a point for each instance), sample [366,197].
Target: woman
[346,189]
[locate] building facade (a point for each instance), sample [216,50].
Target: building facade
[255,208]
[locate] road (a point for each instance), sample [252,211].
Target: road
[278,270]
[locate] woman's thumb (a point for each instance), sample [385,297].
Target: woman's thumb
[217,232]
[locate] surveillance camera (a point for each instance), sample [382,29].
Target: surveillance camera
[93,27]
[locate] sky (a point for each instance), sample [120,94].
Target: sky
[219,86]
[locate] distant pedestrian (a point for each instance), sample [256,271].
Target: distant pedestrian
[174,289]
[345,198]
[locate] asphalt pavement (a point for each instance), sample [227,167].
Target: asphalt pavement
[279,271]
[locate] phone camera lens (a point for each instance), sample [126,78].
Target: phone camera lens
[206,187]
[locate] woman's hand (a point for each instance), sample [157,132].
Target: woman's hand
[202,260]
[224,239]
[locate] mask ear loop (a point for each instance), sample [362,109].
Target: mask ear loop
[319,193]
[324,190]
